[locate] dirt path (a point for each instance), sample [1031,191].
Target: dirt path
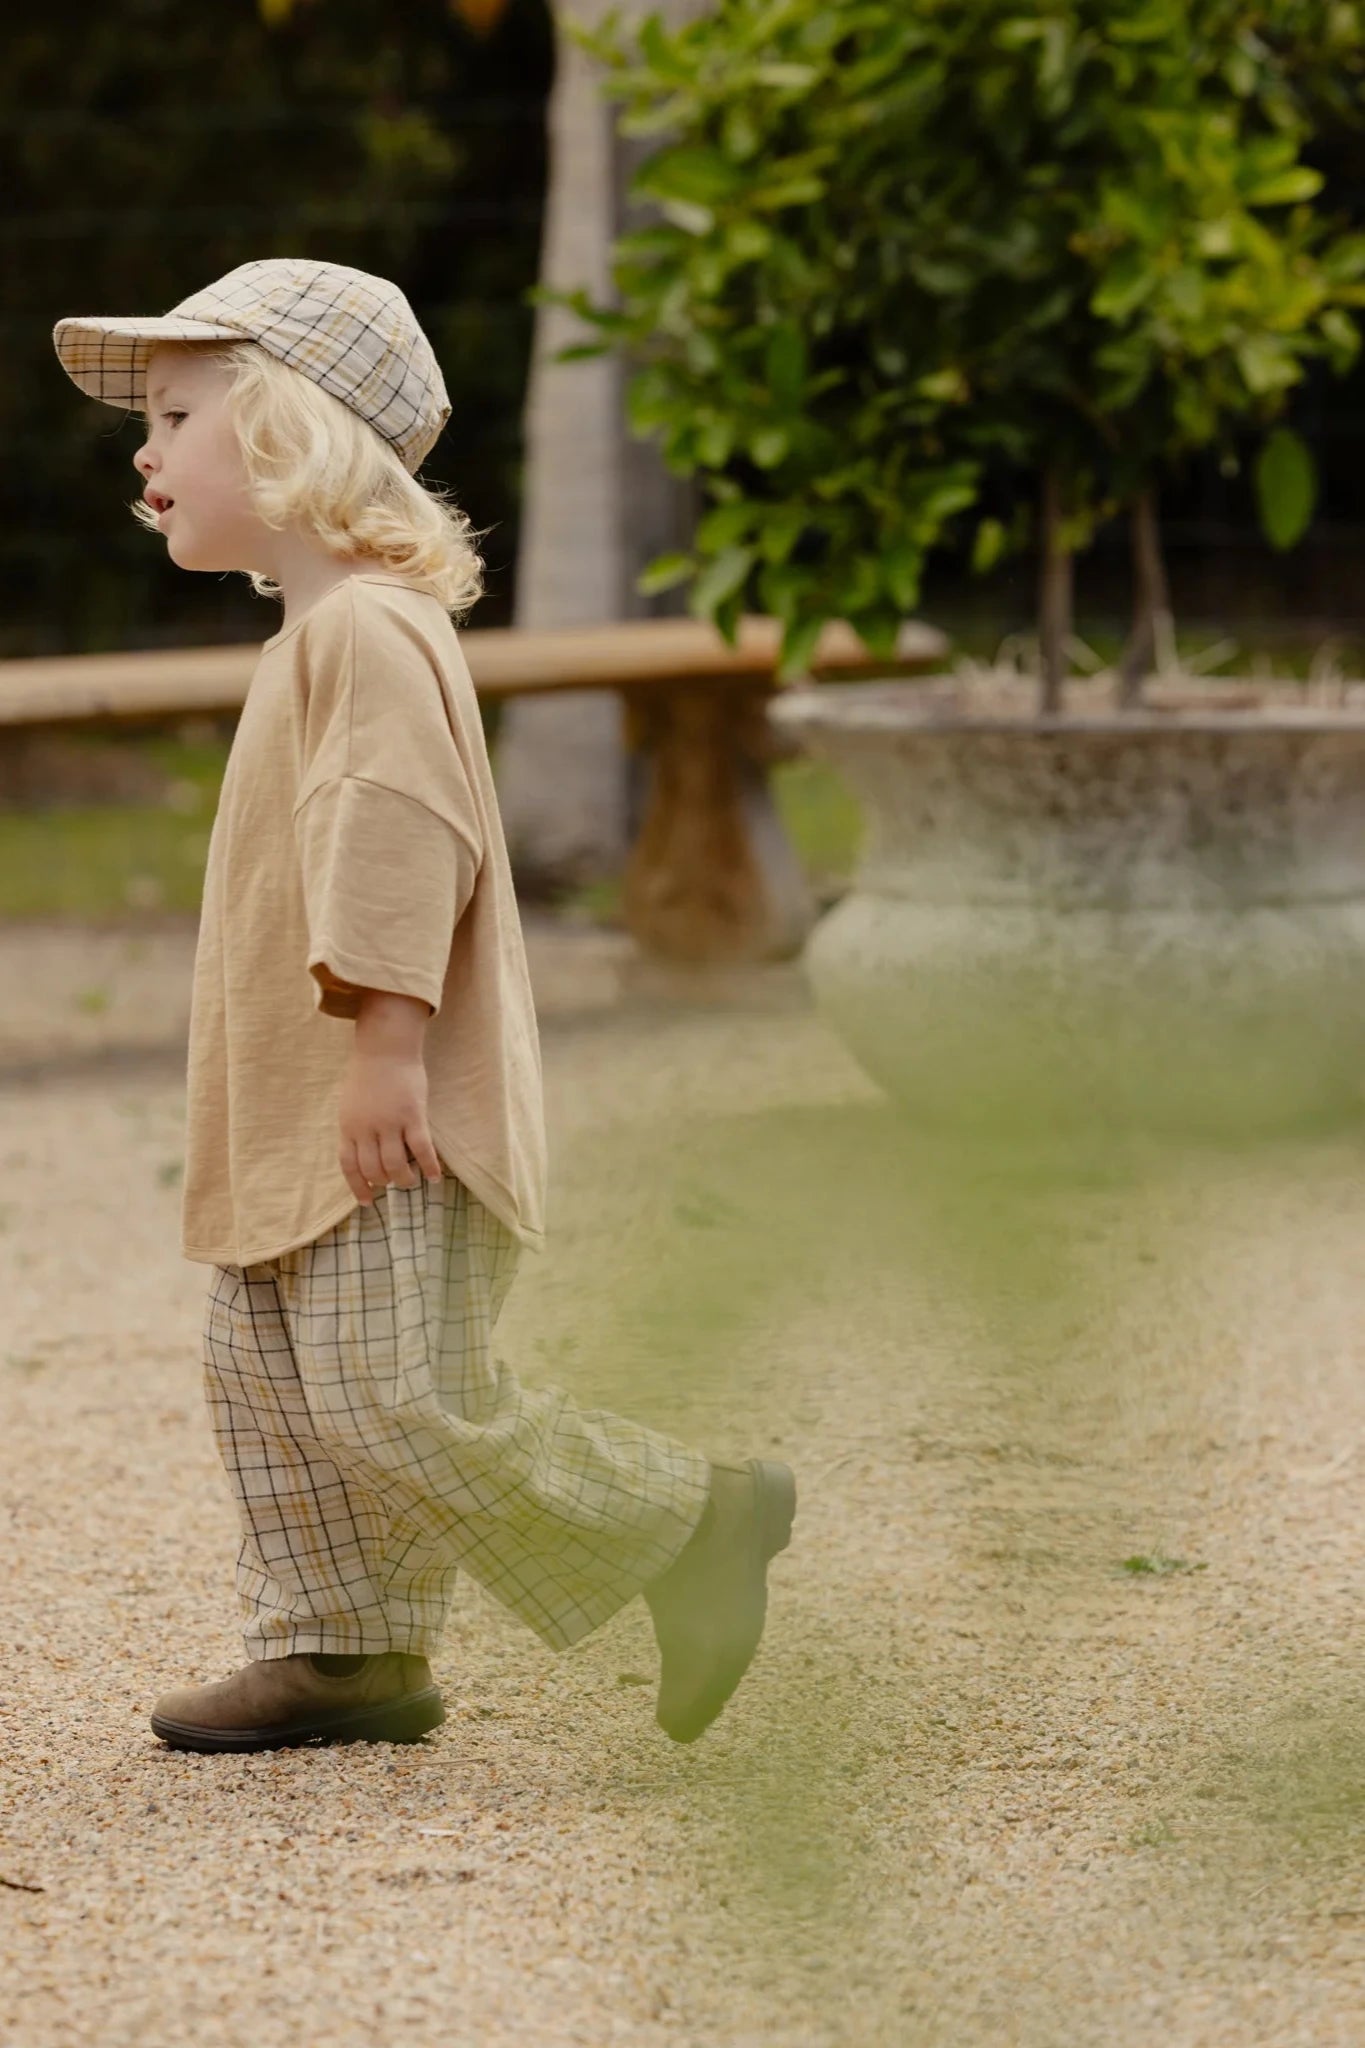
[985,1786]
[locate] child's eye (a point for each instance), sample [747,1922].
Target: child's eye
[173,415]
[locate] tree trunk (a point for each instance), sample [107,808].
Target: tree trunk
[595,507]
[1151,640]
[1055,599]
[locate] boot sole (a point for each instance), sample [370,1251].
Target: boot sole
[404,1720]
[775,1487]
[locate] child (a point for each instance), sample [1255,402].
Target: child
[365,1149]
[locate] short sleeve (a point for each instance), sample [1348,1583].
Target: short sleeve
[374,707]
[385,881]
[387,820]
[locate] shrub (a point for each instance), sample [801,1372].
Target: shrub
[901,244]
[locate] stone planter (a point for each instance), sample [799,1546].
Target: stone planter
[1149,921]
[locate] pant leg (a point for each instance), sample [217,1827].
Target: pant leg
[310,1562]
[562,1512]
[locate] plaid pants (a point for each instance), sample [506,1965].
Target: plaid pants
[374,1446]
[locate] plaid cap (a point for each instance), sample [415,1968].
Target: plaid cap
[354,334]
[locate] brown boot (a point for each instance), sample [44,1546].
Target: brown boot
[710,1605]
[277,1702]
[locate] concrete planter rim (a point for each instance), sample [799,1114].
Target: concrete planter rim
[928,707]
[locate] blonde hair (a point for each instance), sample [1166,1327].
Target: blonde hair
[314,463]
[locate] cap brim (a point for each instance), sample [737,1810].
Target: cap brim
[107,359]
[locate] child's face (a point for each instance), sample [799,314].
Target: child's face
[191,455]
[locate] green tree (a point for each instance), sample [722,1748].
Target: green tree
[901,246]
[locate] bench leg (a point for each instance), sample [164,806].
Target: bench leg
[712,875]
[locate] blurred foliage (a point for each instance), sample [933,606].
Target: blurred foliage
[899,246]
[1286,487]
[149,148]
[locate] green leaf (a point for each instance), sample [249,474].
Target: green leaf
[1018,33]
[1216,238]
[1053,83]
[649,401]
[1344,261]
[703,352]
[862,585]
[879,629]
[1131,212]
[945,280]
[660,118]
[1185,293]
[720,580]
[1241,73]
[786,366]
[1286,488]
[782,527]
[700,176]
[935,495]
[656,45]
[725,525]
[715,443]
[727,616]
[1342,336]
[741,135]
[1129,279]
[795,192]
[780,589]
[748,241]
[1265,364]
[1265,156]
[901,569]
[688,215]
[948,387]
[787,77]
[799,643]
[1288,186]
[664,572]
[1344,26]
[769,445]
[648,242]
[1149,25]
[988,545]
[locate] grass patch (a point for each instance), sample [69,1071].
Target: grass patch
[100,863]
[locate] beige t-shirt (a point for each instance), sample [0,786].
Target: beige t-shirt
[358,841]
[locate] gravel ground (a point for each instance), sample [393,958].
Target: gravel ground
[987,1783]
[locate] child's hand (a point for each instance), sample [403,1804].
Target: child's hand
[383,1117]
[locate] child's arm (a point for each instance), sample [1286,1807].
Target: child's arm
[390,835]
[383,1101]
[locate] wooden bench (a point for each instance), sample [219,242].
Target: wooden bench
[710,876]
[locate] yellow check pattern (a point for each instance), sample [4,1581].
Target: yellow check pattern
[374,1446]
[353,333]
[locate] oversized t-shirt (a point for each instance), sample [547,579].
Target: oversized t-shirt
[357,844]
